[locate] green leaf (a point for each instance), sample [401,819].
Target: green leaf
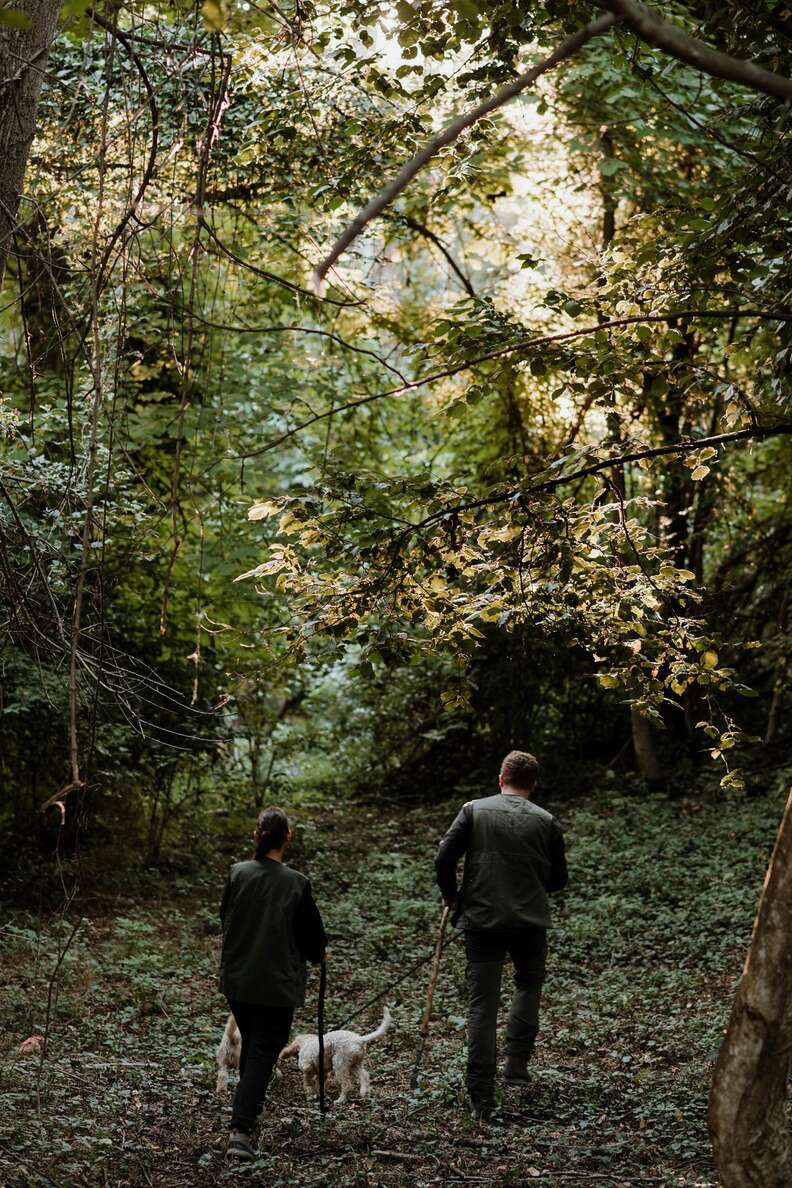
[12,18]
[609,166]
[215,15]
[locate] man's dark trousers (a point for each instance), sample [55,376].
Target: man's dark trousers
[486,953]
[265,1033]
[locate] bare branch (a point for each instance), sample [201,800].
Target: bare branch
[652,28]
[427,233]
[501,352]
[449,134]
[151,163]
[270,276]
[240,328]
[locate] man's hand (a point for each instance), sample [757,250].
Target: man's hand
[451,902]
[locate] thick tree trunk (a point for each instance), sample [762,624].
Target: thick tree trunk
[747,1113]
[643,744]
[23,59]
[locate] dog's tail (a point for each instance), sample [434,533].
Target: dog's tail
[383,1027]
[227,1054]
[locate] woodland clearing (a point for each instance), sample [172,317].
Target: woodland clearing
[646,950]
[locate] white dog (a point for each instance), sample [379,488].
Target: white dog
[344,1057]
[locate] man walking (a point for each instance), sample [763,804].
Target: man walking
[514,854]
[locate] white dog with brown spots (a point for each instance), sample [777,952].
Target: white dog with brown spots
[344,1058]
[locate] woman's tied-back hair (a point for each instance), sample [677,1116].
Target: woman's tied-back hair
[272,829]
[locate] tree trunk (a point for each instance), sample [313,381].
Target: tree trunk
[645,753]
[747,1111]
[774,714]
[23,59]
[781,677]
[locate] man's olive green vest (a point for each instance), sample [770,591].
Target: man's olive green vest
[507,864]
[261,962]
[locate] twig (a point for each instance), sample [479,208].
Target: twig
[427,233]
[320,1032]
[50,991]
[392,986]
[406,1155]
[555,1174]
[424,1032]
[272,276]
[27,1166]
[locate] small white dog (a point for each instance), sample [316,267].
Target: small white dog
[344,1057]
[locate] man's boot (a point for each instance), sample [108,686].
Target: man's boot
[516,1071]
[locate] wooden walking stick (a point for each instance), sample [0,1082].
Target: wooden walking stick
[429,996]
[320,1030]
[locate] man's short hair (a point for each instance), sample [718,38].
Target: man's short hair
[520,770]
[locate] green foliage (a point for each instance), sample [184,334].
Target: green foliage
[494,446]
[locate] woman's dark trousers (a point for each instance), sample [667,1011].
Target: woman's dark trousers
[265,1032]
[486,953]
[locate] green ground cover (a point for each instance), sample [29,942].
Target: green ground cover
[647,947]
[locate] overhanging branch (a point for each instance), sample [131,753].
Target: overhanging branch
[567,49]
[543,487]
[656,31]
[502,352]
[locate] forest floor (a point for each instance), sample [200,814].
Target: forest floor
[646,950]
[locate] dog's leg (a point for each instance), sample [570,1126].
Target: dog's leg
[345,1076]
[365,1082]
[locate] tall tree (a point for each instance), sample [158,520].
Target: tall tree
[748,1107]
[26,34]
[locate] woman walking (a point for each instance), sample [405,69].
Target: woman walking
[271,927]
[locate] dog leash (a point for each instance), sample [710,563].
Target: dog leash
[402,978]
[424,1032]
[320,1029]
